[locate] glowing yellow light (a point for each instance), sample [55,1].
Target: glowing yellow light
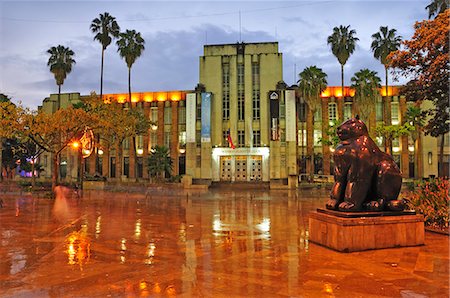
[148,96]
[411,148]
[328,288]
[134,98]
[143,285]
[396,149]
[156,288]
[75,145]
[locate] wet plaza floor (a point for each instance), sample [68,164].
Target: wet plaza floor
[217,243]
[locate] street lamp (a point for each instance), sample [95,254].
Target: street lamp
[77,146]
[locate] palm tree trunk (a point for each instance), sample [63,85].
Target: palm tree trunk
[59,97]
[129,85]
[342,80]
[101,74]
[386,72]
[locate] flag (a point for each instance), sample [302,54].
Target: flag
[230,141]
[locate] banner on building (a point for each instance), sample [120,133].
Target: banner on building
[191,106]
[274,99]
[206,117]
[291,121]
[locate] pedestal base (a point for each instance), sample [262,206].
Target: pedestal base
[348,234]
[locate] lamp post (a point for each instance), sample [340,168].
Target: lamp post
[77,146]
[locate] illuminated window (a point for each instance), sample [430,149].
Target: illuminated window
[302,137]
[347,110]
[255,92]
[318,115]
[154,114]
[182,138]
[379,110]
[394,113]
[317,137]
[332,112]
[153,139]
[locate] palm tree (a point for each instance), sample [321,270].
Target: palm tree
[343,43]
[436,7]
[383,43]
[105,28]
[312,82]
[366,84]
[159,162]
[60,63]
[130,47]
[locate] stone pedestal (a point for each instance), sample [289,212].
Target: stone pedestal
[348,232]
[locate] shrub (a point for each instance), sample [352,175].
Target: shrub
[431,198]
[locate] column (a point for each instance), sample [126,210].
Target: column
[174,153]
[325,147]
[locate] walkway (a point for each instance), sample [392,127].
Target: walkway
[221,243]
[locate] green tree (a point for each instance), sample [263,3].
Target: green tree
[343,43]
[366,84]
[312,82]
[436,7]
[391,132]
[130,47]
[424,59]
[385,42]
[105,28]
[60,63]
[159,162]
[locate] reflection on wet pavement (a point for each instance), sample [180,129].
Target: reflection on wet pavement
[220,243]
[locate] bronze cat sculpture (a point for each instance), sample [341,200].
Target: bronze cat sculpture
[366,179]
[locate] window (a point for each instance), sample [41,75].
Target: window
[226,105]
[318,115]
[140,167]
[256,105]
[167,139]
[139,142]
[226,91]
[379,110]
[301,137]
[182,115]
[153,139]
[241,138]
[126,166]
[240,75]
[317,137]
[126,144]
[332,112]
[256,138]
[394,113]
[182,138]
[154,114]
[112,167]
[302,112]
[347,110]
[241,105]
[168,115]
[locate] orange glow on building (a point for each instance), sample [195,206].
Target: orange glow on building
[336,91]
[146,96]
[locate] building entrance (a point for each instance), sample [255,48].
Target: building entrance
[241,168]
[225,168]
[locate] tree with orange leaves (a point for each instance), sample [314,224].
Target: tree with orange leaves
[425,61]
[54,132]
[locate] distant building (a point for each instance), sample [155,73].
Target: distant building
[242,123]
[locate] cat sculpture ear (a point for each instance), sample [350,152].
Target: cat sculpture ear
[357,117]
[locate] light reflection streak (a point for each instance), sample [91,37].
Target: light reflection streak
[123,249]
[98,226]
[150,253]
[137,229]
[78,249]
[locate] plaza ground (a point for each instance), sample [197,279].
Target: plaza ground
[225,242]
